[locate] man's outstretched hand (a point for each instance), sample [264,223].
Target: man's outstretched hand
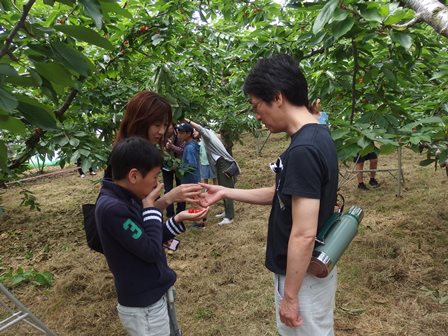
[213,193]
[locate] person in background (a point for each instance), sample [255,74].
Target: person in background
[222,160]
[81,172]
[132,234]
[174,150]
[190,160]
[148,115]
[302,198]
[206,170]
[373,165]
[322,117]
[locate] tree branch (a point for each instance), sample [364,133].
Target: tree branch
[314,52]
[433,12]
[355,73]
[20,24]
[417,19]
[67,102]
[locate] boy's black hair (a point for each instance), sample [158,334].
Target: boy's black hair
[279,73]
[185,128]
[134,152]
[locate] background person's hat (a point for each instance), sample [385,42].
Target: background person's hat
[184,127]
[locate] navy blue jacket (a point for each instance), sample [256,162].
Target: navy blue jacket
[132,239]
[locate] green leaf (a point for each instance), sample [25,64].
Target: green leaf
[113,7]
[387,149]
[85,34]
[348,152]
[404,39]
[73,59]
[342,27]
[74,142]
[324,15]
[36,113]
[389,75]
[440,74]
[415,140]
[156,39]
[18,279]
[339,133]
[93,9]
[43,279]
[395,18]
[6,5]
[7,101]
[67,2]
[371,14]
[3,156]
[63,141]
[13,125]
[340,14]
[22,81]
[55,73]
[363,142]
[426,162]
[7,70]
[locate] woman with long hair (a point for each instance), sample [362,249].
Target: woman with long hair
[148,115]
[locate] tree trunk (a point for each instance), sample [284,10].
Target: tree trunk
[433,12]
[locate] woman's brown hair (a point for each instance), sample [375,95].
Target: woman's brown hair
[143,110]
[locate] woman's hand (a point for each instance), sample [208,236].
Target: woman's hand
[185,193]
[182,193]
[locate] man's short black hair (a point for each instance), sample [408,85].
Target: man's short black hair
[279,73]
[134,152]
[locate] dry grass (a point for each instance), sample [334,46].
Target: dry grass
[223,287]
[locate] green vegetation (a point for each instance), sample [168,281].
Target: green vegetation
[392,280]
[21,276]
[67,69]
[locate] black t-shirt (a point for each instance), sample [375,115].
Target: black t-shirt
[308,168]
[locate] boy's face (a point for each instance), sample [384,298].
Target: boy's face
[184,136]
[144,185]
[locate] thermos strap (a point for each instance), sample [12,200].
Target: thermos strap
[325,229]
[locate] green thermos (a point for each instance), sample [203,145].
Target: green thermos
[333,239]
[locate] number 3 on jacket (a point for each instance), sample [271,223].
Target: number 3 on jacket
[131,226]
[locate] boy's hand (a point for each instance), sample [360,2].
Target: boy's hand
[150,199]
[191,215]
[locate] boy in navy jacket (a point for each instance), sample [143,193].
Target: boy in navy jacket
[133,235]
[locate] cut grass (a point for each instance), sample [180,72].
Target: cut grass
[392,279]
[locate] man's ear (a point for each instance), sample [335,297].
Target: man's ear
[278,98]
[133,175]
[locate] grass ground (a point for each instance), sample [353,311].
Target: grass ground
[393,279]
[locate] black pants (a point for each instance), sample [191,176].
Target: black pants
[168,180]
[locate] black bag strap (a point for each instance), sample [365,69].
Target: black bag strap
[334,218]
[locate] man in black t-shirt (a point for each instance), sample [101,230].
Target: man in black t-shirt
[302,198]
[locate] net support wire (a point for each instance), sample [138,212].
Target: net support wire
[23,314]
[397,173]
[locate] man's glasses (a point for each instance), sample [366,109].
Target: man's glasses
[255,105]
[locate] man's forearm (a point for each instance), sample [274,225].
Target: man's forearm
[261,196]
[300,250]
